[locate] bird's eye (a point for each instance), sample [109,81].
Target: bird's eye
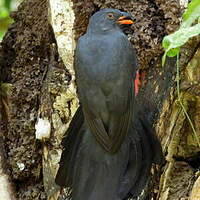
[110,16]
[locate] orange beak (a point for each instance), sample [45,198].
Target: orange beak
[124,20]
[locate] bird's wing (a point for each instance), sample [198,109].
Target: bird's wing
[112,139]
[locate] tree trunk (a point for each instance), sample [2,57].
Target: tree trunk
[36,57]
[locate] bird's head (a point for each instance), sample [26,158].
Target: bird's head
[108,20]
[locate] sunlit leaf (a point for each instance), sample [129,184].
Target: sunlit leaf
[173,52]
[172,42]
[180,37]
[191,14]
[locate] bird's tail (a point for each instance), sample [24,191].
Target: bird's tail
[71,142]
[145,150]
[151,153]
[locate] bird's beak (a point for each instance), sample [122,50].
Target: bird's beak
[125,20]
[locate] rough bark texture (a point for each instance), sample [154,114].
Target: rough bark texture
[42,83]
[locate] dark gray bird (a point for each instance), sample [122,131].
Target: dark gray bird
[108,150]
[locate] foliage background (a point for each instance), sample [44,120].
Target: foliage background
[6,6]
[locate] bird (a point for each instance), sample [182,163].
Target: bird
[108,149]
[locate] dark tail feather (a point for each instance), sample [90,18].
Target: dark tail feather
[70,142]
[133,169]
[151,153]
[147,160]
[156,148]
[146,118]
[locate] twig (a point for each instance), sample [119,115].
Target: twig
[180,101]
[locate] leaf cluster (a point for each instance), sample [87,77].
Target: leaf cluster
[172,43]
[5,7]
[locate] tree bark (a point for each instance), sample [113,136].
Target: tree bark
[36,57]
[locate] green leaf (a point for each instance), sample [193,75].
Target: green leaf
[170,53]
[174,41]
[173,52]
[180,37]
[191,14]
